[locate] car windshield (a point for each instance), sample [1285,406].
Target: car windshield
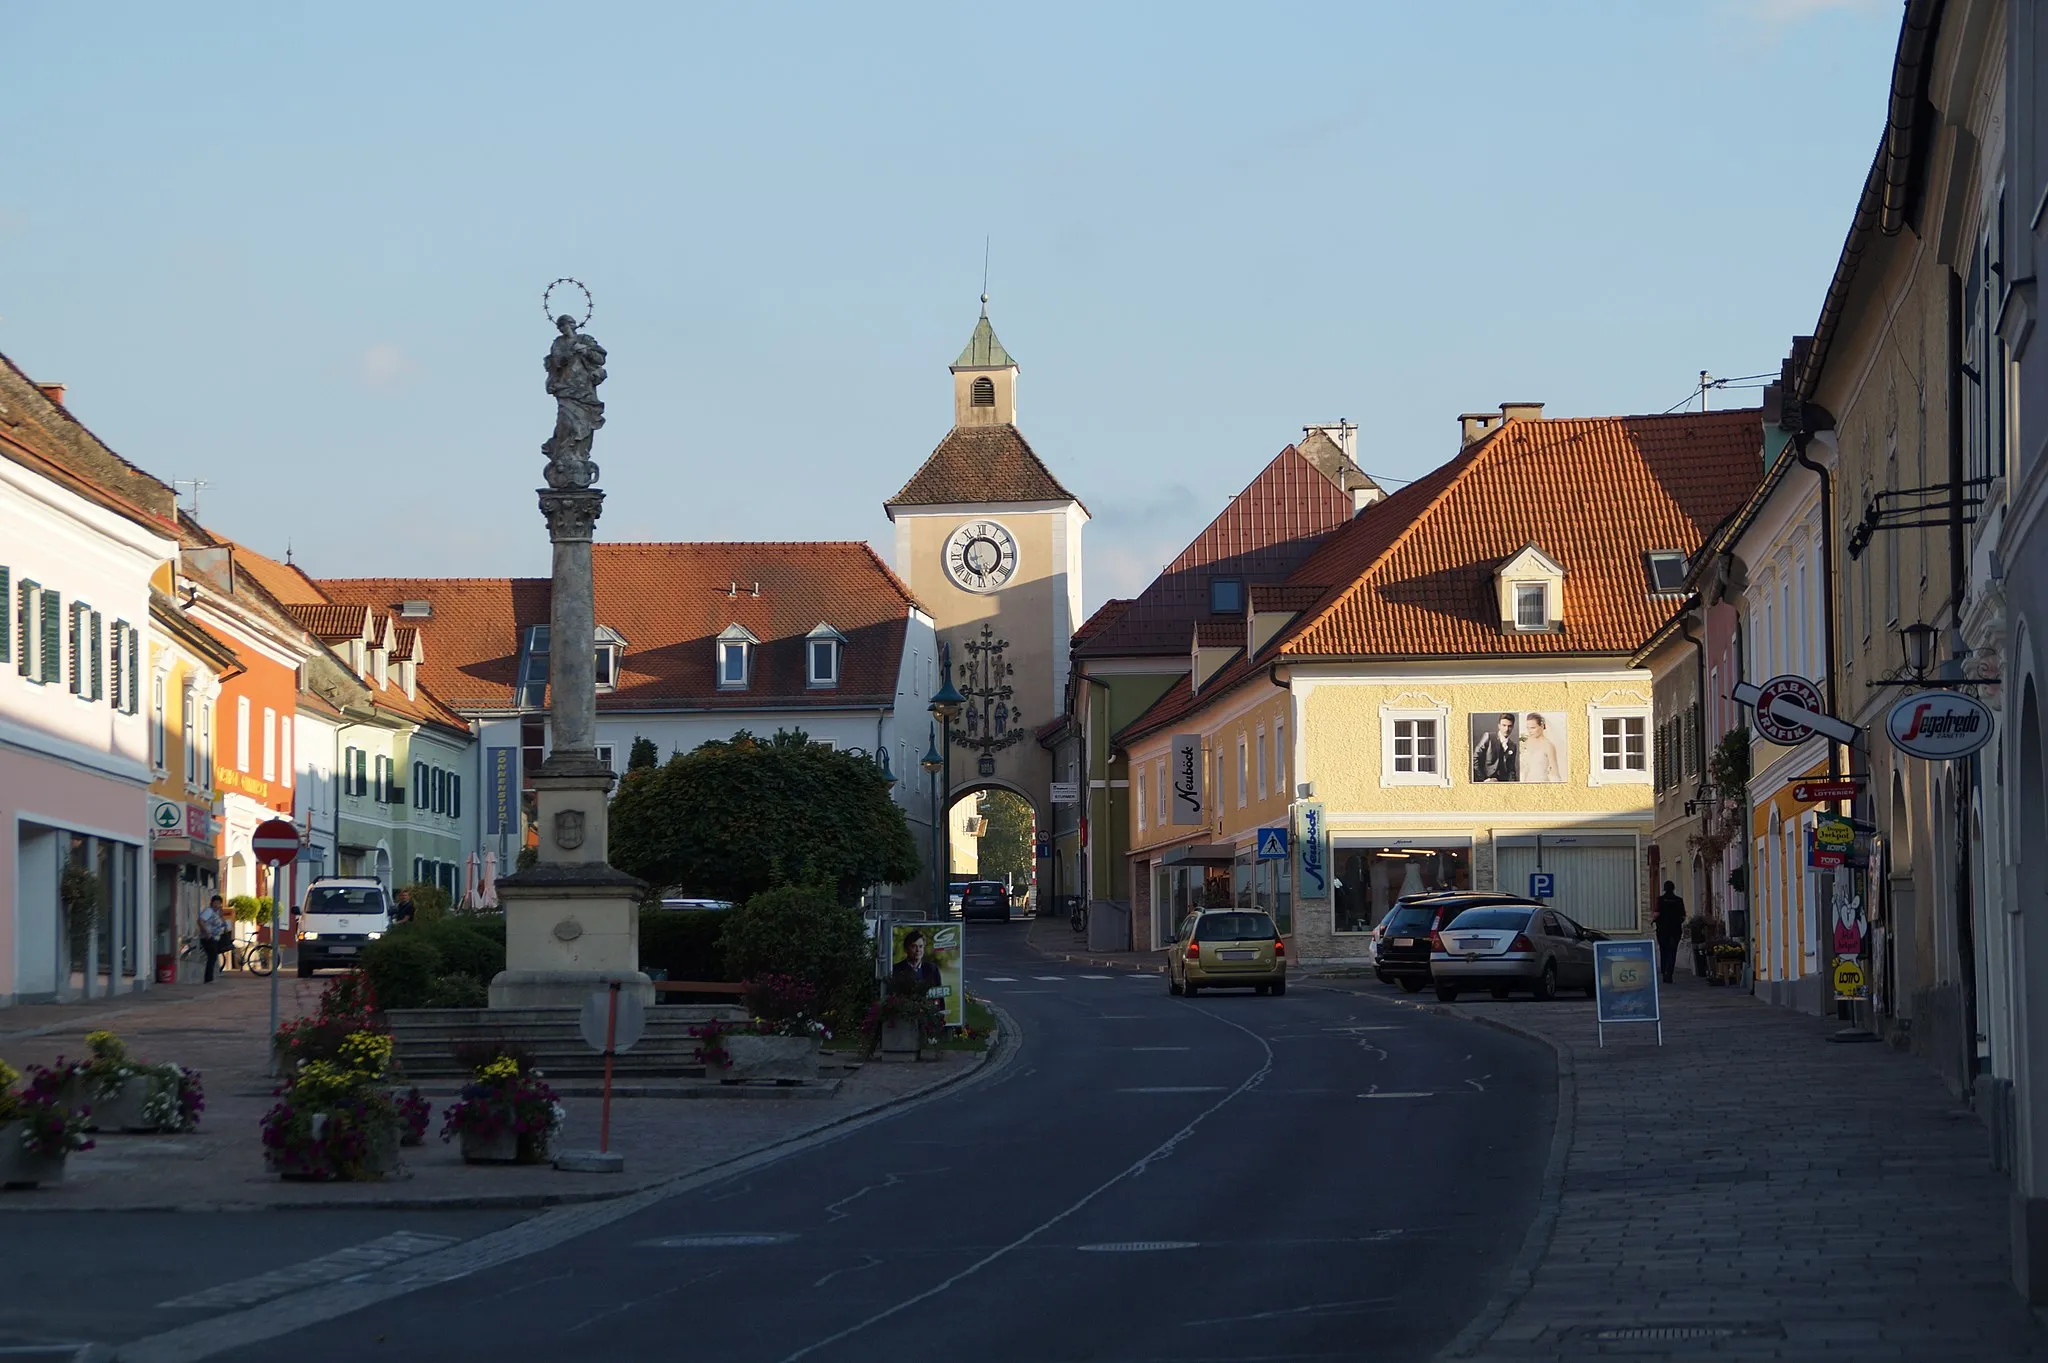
[1234,927]
[1517,919]
[1411,917]
[345,899]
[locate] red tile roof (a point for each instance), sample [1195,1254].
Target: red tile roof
[1415,572]
[670,602]
[984,464]
[1262,536]
[330,623]
[1106,614]
[1285,596]
[1220,633]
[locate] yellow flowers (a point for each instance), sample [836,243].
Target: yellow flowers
[106,1046]
[367,1054]
[9,1076]
[504,1067]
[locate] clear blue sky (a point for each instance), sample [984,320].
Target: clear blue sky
[297,250]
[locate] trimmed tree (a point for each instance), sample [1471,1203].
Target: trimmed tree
[734,818]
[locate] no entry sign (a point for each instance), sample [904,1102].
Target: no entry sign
[275,842]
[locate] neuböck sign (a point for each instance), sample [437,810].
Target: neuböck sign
[1938,724]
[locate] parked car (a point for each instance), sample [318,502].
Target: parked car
[337,919]
[985,899]
[698,905]
[1505,947]
[1227,949]
[956,895]
[1404,935]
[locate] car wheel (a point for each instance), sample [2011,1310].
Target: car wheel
[1447,993]
[1546,983]
[1172,985]
[1277,988]
[1259,989]
[1410,985]
[1187,989]
[305,970]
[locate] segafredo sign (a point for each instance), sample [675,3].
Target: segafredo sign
[1938,724]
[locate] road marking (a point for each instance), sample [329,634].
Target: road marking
[729,1240]
[1137,1246]
[1396,1095]
[328,1268]
[1098,977]
[1177,1088]
[1362,1306]
[997,979]
[1057,979]
[1162,1048]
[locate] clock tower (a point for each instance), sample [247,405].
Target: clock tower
[990,542]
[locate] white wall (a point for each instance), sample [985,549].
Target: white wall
[316,756]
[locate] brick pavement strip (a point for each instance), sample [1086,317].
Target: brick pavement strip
[220,1030]
[1751,1191]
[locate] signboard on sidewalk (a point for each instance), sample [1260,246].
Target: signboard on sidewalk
[1625,985]
[926,956]
[1848,978]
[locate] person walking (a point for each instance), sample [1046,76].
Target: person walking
[1670,924]
[213,934]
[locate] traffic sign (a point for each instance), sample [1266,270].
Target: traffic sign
[275,842]
[1042,846]
[596,1014]
[1542,884]
[1784,707]
[1272,844]
[1066,792]
[1834,788]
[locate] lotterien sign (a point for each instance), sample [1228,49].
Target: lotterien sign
[1311,852]
[1186,777]
[1938,724]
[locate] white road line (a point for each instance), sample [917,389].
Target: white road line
[1177,1088]
[1098,977]
[1396,1095]
[339,1265]
[1057,979]
[997,979]
[1161,1048]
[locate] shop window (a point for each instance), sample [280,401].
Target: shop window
[1370,877]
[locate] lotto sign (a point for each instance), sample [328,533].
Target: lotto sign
[1830,842]
[1625,985]
[1848,979]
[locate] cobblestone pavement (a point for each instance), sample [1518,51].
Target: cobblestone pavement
[1751,1190]
[219,1029]
[1056,939]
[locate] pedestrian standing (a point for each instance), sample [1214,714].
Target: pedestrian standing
[213,934]
[1670,923]
[403,911]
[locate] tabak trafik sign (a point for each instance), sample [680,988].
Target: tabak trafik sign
[1938,725]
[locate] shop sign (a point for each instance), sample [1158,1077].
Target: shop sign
[1187,779]
[1848,979]
[1311,852]
[1834,788]
[1938,725]
[503,767]
[199,823]
[1066,792]
[166,818]
[1625,985]
[1830,842]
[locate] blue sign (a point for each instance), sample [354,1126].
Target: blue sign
[501,774]
[1043,850]
[1311,852]
[1272,844]
[1542,884]
[1625,981]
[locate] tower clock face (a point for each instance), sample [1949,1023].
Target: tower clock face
[981,556]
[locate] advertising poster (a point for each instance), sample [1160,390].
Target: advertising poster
[1521,747]
[925,957]
[1625,978]
[501,769]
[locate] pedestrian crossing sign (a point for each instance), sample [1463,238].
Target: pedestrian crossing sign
[1272,844]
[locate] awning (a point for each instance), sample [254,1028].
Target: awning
[1201,854]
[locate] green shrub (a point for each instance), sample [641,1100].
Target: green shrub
[402,967]
[458,991]
[429,901]
[802,930]
[247,908]
[685,943]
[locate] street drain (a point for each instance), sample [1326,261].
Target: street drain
[728,1241]
[1665,1332]
[1138,1246]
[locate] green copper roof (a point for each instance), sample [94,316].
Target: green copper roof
[983,350]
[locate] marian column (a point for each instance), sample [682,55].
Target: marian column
[572,923]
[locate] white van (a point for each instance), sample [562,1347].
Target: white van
[337,919]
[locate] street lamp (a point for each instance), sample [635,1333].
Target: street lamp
[947,702]
[933,764]
[1919,642]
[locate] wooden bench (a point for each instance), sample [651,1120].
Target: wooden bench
[699,987]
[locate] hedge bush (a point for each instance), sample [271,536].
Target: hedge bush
[803,931]
[685,943]
[422,965]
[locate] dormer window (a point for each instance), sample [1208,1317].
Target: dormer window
[533,668]
[984,391]
[1666,569]
[822,649]
[611,648]
[1532,606]
[1531,585]
[735,658]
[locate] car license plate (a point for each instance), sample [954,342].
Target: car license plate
[1404,941]
[344,951]
[1237,955]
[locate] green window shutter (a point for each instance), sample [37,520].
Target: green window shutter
[134,670]
[6,635]
[114,664]
[96,644]
[75,653]
[53,637]
[25,618]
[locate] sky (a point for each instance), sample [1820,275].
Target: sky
[297,251]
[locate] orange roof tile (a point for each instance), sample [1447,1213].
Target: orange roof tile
[985,464]
[287,582]
[1106,614]
[330,623]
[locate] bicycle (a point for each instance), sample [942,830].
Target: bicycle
[259,959]
[1077,918]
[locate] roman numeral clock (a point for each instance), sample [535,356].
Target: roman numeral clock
[981,556]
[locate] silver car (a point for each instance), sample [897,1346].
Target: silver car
[1505,947]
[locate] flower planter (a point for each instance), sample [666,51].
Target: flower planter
[772,1057]
[902,1036]
[20,1167]
[121,1110]
[381,1159]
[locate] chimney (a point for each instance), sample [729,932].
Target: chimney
[1343,434]
[1521,411]
[53,391]
[1477,426]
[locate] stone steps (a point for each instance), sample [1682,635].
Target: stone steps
[425,1040]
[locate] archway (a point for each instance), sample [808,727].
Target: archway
[993,831]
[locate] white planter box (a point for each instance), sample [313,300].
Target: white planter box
[19,1168]
[771,1057]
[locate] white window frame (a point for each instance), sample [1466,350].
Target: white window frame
[726,649]
[242,734]
[1160,813]
[1280,757]
[1259,741]
[1390,715]
[1597,773]
[827,642]
[605,667]
[189,712]
[1519,594]
[269,744]
[206,773]
[1142,811]
[606,752]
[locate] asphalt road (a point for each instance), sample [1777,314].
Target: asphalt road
[1328,1175]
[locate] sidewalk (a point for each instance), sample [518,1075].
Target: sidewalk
[220,1030]
[1056,939]
[1752,1190]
